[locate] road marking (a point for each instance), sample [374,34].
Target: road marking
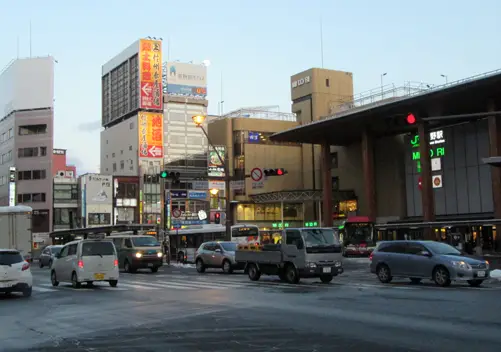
[42,289]
[163,285]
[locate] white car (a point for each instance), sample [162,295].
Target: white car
[15,273]
[86,261]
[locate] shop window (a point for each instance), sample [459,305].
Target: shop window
[334,160]
[335,183]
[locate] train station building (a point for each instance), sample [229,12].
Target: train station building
[377,147]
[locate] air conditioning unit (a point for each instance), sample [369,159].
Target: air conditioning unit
[61,173]
[70,174]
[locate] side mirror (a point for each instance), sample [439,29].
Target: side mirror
[425,253]
[218,250]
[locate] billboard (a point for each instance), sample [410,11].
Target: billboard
[151,133]
[214,166]
[98,189]
[150,74]
[186,79]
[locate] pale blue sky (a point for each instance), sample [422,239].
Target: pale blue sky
[257,45]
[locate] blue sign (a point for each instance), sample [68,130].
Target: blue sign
[253,137]
[179,194]
[197,195]
[186,91]
[176,223]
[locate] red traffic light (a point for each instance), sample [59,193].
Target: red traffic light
[280,172]
[217,215]
[411,119]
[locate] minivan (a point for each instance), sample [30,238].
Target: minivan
[137,252]
[85,261]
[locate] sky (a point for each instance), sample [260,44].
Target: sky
[254,47]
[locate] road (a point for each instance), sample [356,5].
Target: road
[180,310]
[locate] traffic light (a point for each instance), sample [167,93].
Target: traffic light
[174,176]
[164,174]
[217,218]
[275,172]
[411,119]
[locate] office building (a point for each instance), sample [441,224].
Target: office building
[26,138]
[65,192]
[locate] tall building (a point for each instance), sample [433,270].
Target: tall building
[143,134]
[26,138]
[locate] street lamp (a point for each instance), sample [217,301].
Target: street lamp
[446,78]
[382,75]
[198,120]
[214,191]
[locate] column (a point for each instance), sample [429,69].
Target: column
[427,199]
[369,175]
[494,123]
[326,185]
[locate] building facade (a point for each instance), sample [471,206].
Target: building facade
[60,167]
[26,138]
[96,200]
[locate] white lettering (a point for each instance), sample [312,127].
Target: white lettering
[301,81]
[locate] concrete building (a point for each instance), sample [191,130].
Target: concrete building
[26,138]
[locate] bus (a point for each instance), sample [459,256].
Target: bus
[184,242]
[357,236]
[245,234]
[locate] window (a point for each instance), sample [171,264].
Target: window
[131,125]
[176,116]
[38,197]
[152,198]
[99,219]
[64,252]
[32,175]
[31,198]
[177,139]
[43,151]
[112,155]
[40,220]
[414,248]
[122,164]
[65,192]
[327,83]
[114,167]
[11,133]
[62,216]
[335,183]
[130,147]
[334,160]
[10,257]
[32,129]
[6,157]
[39,174]
[293,237]
[128,243]
[27,152]
[72,249]
[97,248]
[126,190]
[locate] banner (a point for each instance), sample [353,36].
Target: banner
[150,74]
[151,132]
[214,166]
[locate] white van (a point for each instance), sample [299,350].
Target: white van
[86,261]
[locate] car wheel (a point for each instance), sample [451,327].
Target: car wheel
[227,269]
[441,276]
[384,274]
[415,280]
[27,292]
[291,274]
[40,263]
[74,281]
[53,278]
[113,283]
[200,266]
[281,275]
[326,278]
[253,272]
[154,269]
[128,268]
[475,283]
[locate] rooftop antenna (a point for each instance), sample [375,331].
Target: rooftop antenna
[30,39]
[321,42]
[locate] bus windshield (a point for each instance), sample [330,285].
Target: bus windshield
[358,234]
[245,234]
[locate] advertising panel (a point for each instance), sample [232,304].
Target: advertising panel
[150,74]
[12,186]
[98,189]
[214,166]
[186,79]
[151,133]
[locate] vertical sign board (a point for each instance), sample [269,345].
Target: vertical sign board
[214,166]
[150,75]
[151,132]
[12,186]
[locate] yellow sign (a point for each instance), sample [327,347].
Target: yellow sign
[151,132]
[150,74]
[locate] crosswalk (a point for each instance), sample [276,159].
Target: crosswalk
[217,282]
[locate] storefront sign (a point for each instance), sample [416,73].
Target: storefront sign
[178,194]
[301,81]
[197,195]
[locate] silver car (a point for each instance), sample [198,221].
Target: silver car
[419,260]
[48,254]
[217,255]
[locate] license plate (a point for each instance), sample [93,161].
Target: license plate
[326,270]
[5,284]
[481,273]
[99,276]
[150,265]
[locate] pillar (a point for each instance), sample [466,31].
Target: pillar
[369,175]
[494,123]
[326,185]
[427,199]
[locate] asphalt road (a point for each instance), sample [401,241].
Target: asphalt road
[179,310]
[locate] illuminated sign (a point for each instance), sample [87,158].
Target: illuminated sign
[279,225]
[301,81]
[150,74]
[150,129]
[311,224]
[436,137]
[59,152]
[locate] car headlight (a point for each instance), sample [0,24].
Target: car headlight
[139,255]
[159,254]
[311,265]
[461,265]
[338,264]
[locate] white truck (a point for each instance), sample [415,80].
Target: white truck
[15,229]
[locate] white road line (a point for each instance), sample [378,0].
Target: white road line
[42,289]
[137,287]
[160,285]
[194,285]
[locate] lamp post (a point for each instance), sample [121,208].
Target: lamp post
[446,78]
[382,75]
[199,120]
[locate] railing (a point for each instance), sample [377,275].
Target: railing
[261,114]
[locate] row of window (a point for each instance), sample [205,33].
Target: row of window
[31,198]
[7,157]
[29,130]
[98,219]
[31,152]
[4,137]
[32,175]
[65,192]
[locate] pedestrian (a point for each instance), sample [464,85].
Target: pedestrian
[166,248]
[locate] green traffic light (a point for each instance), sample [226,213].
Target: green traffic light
[163,174]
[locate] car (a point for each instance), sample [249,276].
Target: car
[418,260]
[48,254]
[217,255]
[15,273]
[86,261]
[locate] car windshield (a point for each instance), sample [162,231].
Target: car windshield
[320,237]
[97,248]
[145,241]
[9,258]
[56,250]
[442,248]
[229,246]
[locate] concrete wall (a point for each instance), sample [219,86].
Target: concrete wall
[467,187]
